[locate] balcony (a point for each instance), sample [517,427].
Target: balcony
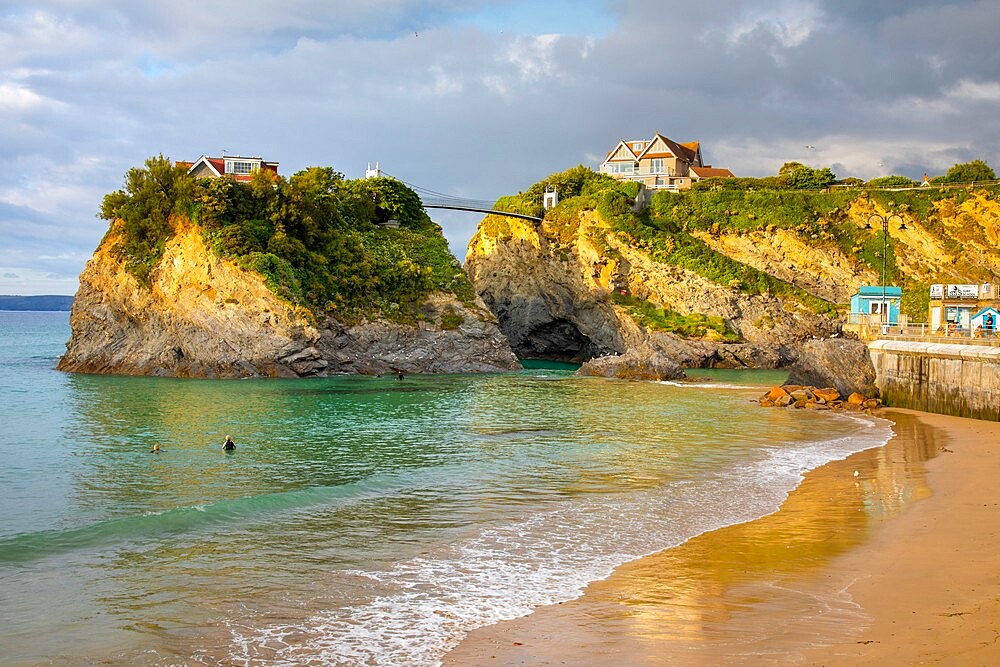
[641,173]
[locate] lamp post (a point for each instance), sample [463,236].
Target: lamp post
[885,248]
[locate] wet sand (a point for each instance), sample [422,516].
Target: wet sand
[897,565]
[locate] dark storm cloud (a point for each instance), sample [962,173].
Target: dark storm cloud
[448,96]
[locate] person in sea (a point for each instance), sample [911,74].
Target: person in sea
[229,445]
[155,449]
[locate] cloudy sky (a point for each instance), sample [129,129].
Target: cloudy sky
[474,98]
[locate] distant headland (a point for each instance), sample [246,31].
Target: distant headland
[38,302]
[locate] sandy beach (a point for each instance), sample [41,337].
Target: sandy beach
[889,557]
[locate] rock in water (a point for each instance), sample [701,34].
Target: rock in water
[203,316]
[837,362]
[643,363]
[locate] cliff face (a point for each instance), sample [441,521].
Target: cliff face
[563,288]
[551,293]
[203,316]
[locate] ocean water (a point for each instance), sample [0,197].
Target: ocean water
[361,521]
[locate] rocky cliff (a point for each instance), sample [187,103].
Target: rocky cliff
[715,278]
[567,296]
[204,316]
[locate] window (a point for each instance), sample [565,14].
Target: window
[637,146]
[620,168]
[656,165]
[240,167]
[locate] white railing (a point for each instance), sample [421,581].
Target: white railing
[672,173]
[871,327]
[949,333]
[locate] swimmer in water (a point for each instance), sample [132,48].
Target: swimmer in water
[155,449]
[229,445]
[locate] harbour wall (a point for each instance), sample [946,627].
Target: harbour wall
[946,378]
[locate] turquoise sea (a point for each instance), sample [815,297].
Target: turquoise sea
[361,521]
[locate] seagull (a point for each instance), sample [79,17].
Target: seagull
[812,147]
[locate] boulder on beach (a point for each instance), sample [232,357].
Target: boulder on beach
[840,363]
[813,398]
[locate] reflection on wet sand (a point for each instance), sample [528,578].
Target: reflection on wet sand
[718,595]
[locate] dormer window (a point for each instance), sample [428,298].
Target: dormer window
[240,167]
[637,146]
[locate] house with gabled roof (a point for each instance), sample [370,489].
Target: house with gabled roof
[660,163]
[237,166]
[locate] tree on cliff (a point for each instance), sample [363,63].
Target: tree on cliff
[967,172]
[799,176]
[151,195]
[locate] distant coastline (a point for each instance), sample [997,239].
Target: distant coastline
[37,302]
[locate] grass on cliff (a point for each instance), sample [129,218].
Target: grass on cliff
[315,237]
[695,325]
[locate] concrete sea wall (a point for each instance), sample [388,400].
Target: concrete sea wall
[946,378]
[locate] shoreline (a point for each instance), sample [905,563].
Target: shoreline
[897,564]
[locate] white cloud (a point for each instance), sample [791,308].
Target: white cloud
[51,187]
[18,98]
[533,56]
[444,83]
[789,23]
[976,91]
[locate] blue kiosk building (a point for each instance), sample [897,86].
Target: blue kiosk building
[876,304]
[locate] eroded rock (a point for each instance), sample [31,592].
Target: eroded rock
[841,363]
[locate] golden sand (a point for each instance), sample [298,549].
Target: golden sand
[898,564]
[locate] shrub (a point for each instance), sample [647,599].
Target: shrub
[695,325]
[891,182]
[451,319]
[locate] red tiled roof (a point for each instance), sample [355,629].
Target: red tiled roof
[219,164]
[712,172]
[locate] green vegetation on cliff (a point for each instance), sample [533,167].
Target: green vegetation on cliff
[695,325]
[672,227]
[658,230]
[315,237]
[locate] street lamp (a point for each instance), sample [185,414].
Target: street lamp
[885,247]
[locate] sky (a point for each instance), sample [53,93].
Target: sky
[472,98]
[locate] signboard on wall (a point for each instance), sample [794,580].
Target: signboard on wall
[970,292]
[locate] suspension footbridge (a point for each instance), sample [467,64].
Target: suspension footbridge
[439,200]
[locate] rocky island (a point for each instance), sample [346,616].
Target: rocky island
[310,276]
